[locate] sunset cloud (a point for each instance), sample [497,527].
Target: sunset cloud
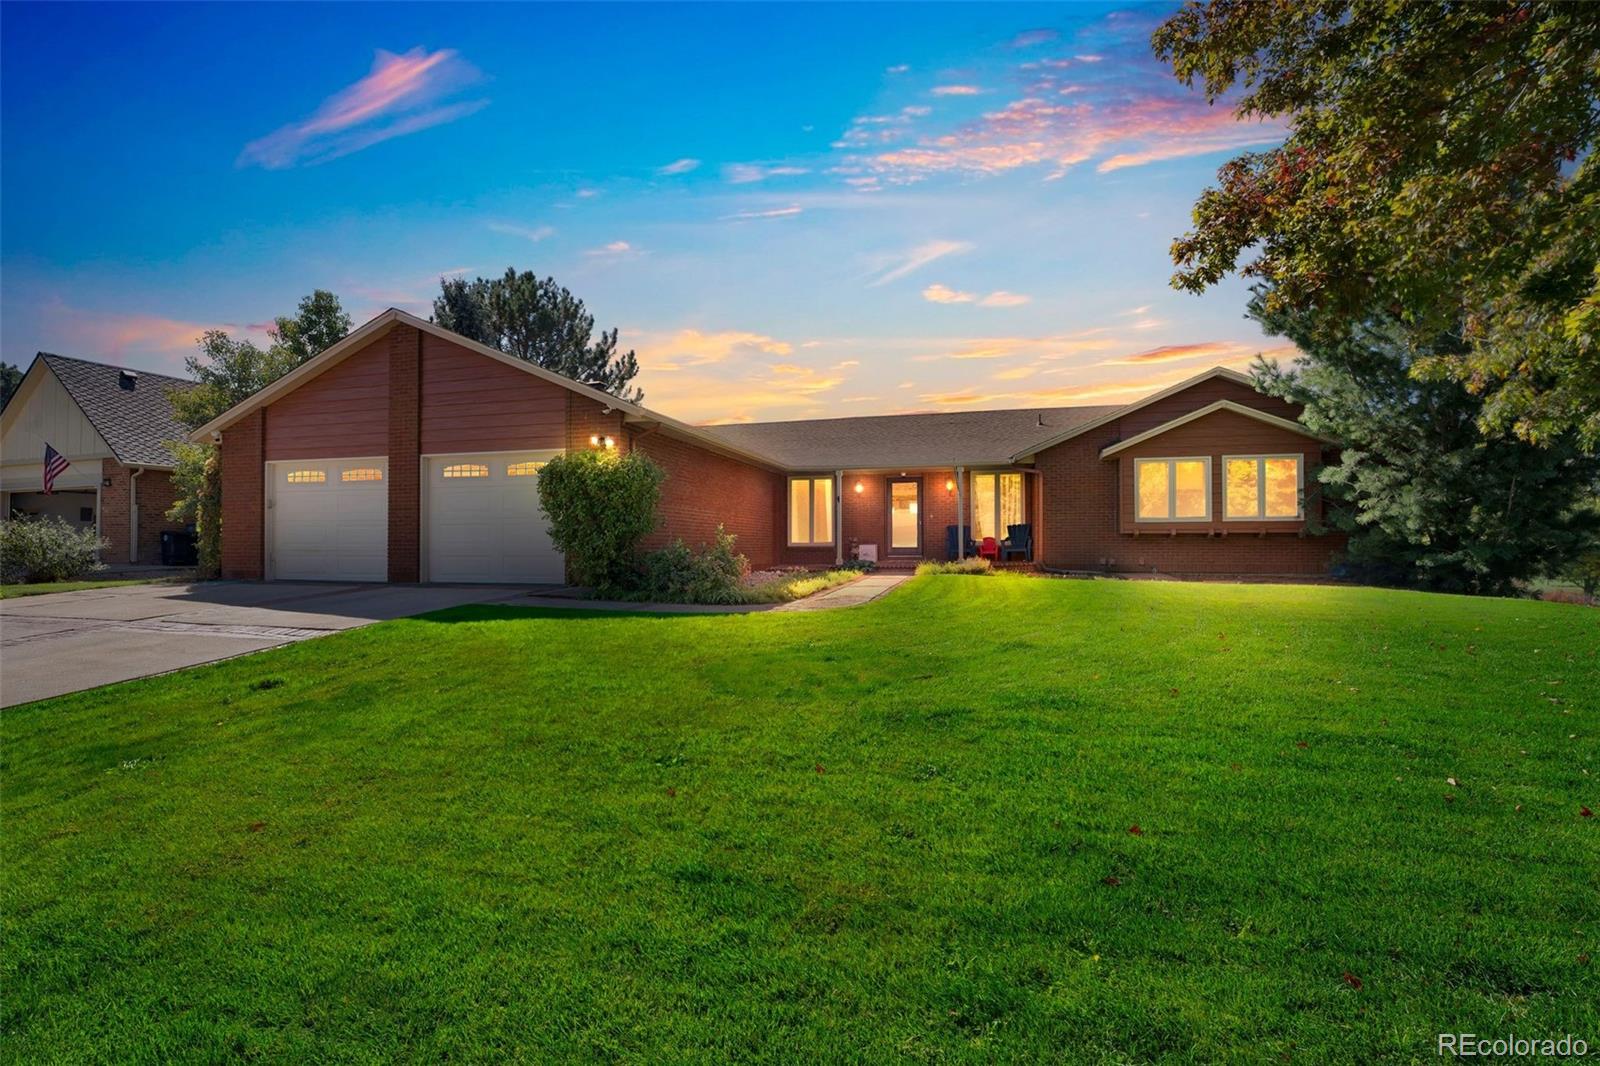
[403,94]
[943,294]
[776,212]
[1177,353]
[693,347]
[748,173]
[921,256]
[1035,132]
[956,90]
[1004,299]
[615,248]
[161,340]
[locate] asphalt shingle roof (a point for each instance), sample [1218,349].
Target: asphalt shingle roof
[926,440]
[134,421]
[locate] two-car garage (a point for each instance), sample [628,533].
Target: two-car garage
[328,519]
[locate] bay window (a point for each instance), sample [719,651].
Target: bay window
[810,511]
[997,503]
[1172,490]
[1261,486]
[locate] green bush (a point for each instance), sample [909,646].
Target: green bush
[599,506]
[46,549]
[974,565]
[675,574]
[198,480]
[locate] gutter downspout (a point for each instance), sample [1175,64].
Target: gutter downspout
[838,518]
[133,515]
[961,512]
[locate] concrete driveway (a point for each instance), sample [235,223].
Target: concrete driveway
[68,641]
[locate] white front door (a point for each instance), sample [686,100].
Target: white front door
[484,520]
[329,520]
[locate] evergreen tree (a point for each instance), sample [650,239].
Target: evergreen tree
[538,320]
[1427,496]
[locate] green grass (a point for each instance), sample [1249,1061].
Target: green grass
[898,832]
[10,592]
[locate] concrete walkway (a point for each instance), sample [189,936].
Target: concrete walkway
[69,641]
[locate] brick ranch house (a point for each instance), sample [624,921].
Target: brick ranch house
[110,423]
[408,453]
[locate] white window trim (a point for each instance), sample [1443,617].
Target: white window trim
[811,509]
[1172,488]
[1261,488]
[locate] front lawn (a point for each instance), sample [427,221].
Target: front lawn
[10,592]
[976,820]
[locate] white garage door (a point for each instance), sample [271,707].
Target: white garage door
[484,519]
[329,520]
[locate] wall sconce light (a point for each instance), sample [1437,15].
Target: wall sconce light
[950,485]
[860,487]
[610,443]
[594,440]
[597,441]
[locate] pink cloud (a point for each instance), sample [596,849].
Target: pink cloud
[1041,129]
[115,336]
[956,90]
[400,96]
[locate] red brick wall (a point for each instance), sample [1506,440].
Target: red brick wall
[586,419]
[1087,501]
[243,497]
[866,517]
[156,494]
[341,413]
[405,463]
[703,489]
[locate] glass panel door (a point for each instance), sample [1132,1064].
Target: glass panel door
[905,523]
[983,506]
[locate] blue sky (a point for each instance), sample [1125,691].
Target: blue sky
[789,211]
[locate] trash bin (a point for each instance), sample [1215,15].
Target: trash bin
[177,548]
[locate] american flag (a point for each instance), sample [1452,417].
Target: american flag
[54,467]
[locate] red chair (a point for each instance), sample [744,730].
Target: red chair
[989,549]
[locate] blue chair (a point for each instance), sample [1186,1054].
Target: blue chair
[951,539]
[1019,541]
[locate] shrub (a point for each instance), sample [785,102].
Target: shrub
[864,566]
[46,549]
[802,583]
[974,565]
[197,477]
[600,505]
[675,574]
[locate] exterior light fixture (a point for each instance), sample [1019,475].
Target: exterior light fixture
[860,487]
[950,485]
[610,443]
[594,439]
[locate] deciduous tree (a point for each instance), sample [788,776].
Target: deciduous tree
[1439,167]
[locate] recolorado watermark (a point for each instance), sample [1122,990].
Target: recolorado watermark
[1471,1045]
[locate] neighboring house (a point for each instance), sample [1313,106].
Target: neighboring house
[408,453]
[110,423]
